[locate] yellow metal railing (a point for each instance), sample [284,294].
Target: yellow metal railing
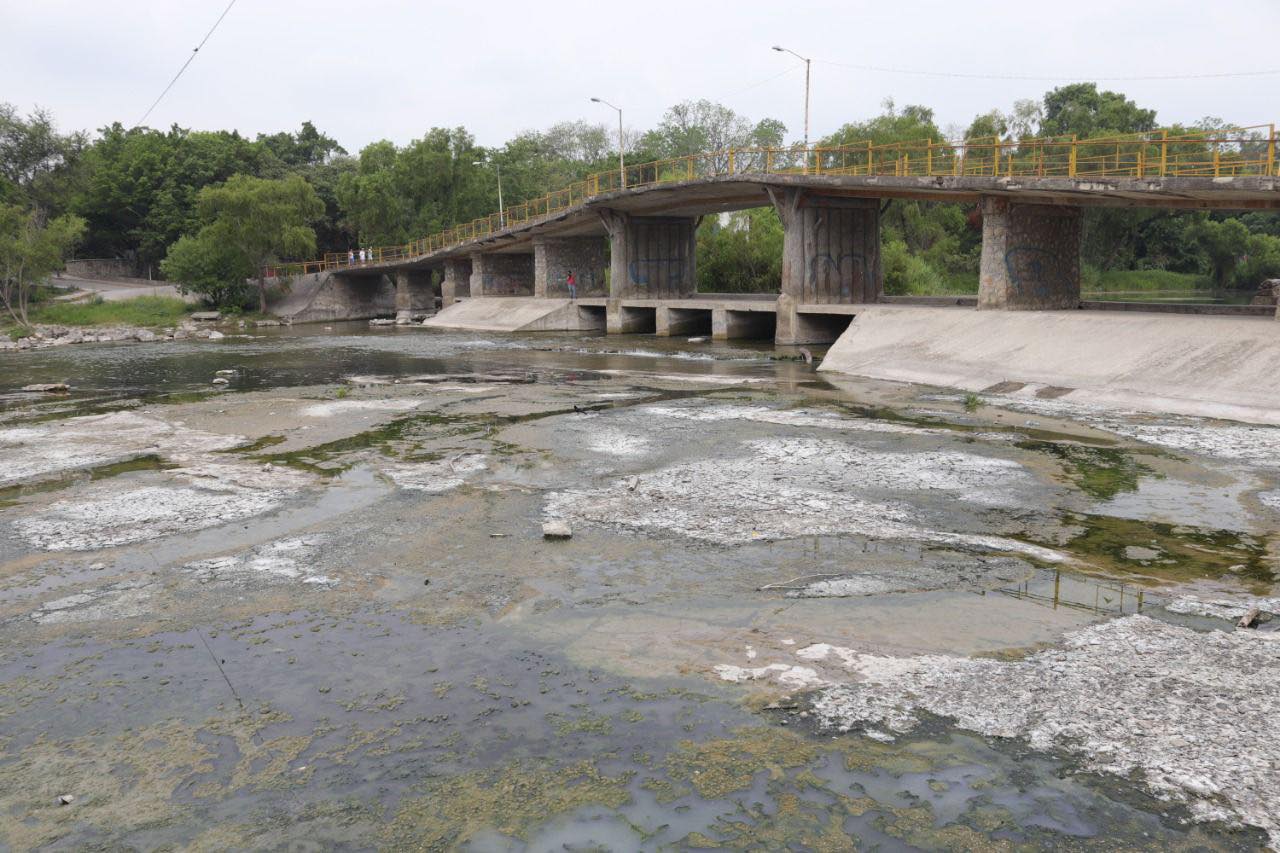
[1235,152]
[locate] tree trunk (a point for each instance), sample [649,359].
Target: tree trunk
[262,293]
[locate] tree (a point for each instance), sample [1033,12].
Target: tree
[31,248]
[38,165]
[1224,243]
[256,220]
[203,264]
[698,127]
[1081,109]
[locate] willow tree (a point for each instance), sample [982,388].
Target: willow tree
[31,248]
[260,221]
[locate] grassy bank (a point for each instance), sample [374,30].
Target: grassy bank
[143,311]
[1097,281]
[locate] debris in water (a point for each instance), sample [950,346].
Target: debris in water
[66,799]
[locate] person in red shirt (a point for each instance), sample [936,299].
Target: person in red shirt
[572,284]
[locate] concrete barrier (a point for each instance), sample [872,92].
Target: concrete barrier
[1226,367]
[519,314]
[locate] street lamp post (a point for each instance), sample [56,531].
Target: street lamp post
[622,163]
[502,216]
[807,63]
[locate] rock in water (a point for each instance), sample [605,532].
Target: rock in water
[47,388]
[556,529]
[220,380]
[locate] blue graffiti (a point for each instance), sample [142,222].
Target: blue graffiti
[849,270]
[662,271]
[1036,272]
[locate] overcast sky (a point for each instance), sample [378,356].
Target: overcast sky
[377,69]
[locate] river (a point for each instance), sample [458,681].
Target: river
[291,590]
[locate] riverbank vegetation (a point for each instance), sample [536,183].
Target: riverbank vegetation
[207,208]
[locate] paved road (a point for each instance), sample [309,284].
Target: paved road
[114,291]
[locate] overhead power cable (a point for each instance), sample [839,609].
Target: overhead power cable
[190,58]
[1046,79]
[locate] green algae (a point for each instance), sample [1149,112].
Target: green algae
[1181,552]
[1100,472]
[10,495]
[513,800]
[719,767]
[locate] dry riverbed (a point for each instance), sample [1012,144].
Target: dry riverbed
[313,603]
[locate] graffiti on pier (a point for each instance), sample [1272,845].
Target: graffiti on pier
[1036,272]
[659,273]
[849,271]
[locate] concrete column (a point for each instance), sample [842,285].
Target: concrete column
[830,248]
[651,257]
[1030,256]
[456,283]
[501,274]
[414,295]
[555,257]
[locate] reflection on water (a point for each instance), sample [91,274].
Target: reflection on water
[1080,593]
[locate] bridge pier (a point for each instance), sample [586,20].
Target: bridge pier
[651,257]
[555,257]
[1030,256]
[414,294]
[456,282]
[830,254]
[501,274]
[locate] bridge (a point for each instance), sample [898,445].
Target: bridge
[629,237]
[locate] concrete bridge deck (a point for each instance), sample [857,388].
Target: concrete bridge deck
[630,241]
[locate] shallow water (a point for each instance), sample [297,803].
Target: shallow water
[393,656]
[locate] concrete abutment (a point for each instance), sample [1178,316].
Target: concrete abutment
[1030,256]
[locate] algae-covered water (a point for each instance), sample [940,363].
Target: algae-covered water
[312,607]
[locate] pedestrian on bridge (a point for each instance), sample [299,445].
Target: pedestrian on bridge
[362,256]
[572,284]
[351,257]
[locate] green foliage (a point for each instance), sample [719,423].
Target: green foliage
[142,311]
[31,248]
[248,222]
[39,167]
[203,264]
[1094,280]
[697,127]
[742,256]
[906,273]
[1081,109]
[913,123]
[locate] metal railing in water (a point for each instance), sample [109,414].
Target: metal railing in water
[1235,152]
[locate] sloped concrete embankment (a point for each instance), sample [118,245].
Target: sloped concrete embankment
[1225,367]
[516,314]
[325,297]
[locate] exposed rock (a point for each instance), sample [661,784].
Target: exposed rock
[47,388]
[1268,293]
[556,529]
[1125,696]
[215,335]
[206,316]
[382,321]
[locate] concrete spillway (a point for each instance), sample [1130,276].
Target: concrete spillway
[1227,367]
